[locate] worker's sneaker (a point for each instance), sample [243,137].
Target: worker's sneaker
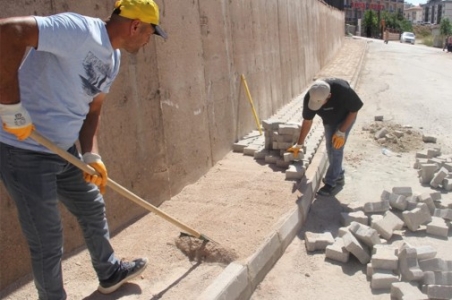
[126,272]
[326,190]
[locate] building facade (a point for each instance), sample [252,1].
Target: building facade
[414,14]
[354,10]
[435,10]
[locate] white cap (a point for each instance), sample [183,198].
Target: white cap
[318,93]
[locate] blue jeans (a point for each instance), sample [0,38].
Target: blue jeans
[335,156]
[36,181]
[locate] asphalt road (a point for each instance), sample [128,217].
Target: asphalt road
[408,85]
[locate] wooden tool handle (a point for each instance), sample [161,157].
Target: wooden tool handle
[112,184]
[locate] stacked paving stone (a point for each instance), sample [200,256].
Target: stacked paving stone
[280,132]
[408,272]
[434,169]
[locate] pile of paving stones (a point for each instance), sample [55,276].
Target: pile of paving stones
[272,145]
[280,132]
[434,169]
[408,272]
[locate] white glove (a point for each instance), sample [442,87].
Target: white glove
[16,120]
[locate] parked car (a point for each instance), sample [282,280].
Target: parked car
[408,37]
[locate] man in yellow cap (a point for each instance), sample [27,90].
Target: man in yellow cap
[58,90]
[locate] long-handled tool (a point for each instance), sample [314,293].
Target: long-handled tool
[115,186]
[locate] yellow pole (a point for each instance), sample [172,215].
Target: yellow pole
[256,118]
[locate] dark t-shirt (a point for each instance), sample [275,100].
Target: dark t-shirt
[343,100]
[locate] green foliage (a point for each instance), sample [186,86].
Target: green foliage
[405,25]
[370,19]
[396,21]
[370,22]
[445,27]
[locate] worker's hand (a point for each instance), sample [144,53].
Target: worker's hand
[338,139]
[295,149]
[16,120]
[95,161]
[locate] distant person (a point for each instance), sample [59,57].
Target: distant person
[446,43]
[337,104]
[386,36]
[59,89]
[449,44]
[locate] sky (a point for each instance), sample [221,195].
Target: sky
[416,2]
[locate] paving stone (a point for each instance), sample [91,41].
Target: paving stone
[386,226]
[354,247]
[435,264]
[438,278]
[365,234]
[445,213]
[355,216]
[383,280]
[438,227]
[318,241]
[417,217]
[439,292]
[406,291]
[337,251]
[425,252]
[403,190]
[376,207]
[408,265]
[385,258]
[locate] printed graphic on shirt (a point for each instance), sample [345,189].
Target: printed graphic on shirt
[96,75]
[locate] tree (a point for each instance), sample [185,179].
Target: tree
[370,22]
[445,27]
[396,21]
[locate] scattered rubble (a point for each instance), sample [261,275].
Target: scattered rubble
[406,271]
[396,137]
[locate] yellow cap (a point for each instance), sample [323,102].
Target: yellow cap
[146,11]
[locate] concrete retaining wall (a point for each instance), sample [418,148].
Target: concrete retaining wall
[177,106]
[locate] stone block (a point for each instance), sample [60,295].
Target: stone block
[403,190]
[408,265]
[439,292]
[383,280]
[337,251]
[438,177]
[376,207]
[355,216]
[445,213]
[405,291]
[318,241]
[386,226]
[385,258]
[438,278]
[354,247]
[438,227]
[365,234]
[435,264]
[416,217]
